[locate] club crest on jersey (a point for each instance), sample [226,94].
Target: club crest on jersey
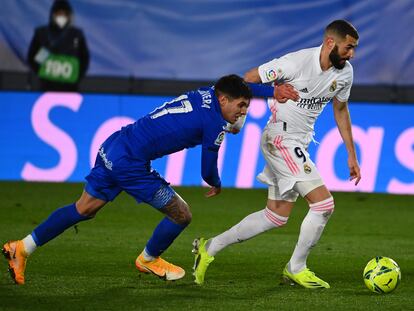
[271,74]
[332,88]
[307,168]
[219,138]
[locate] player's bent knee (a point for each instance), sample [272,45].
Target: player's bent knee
[87,210]
[184,216]
[178,211]
[87,205]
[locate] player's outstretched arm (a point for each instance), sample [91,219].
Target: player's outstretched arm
[209,171]
[282,92]
[354,170]
[343,121]
[253,76]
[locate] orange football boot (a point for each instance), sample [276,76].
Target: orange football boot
[16,255]
[161,268]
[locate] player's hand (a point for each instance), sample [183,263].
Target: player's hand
[233,130]
[283,92]
[354,171]
[213,192]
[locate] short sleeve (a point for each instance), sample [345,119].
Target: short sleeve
[343,94]
[212,139]
[279,69]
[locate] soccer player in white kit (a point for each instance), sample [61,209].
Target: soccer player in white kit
[319,74]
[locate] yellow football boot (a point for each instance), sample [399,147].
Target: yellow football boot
[305,278]
[202,260]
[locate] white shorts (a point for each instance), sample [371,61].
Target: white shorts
[289,171]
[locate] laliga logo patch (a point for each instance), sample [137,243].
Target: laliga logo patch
[219,138]
[332,88]
[307,169]
[271,74]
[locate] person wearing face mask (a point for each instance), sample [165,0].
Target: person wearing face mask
[58,53]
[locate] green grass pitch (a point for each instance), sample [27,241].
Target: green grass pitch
[92,268]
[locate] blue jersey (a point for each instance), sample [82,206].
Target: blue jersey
[189,120]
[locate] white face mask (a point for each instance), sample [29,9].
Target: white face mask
[61,20]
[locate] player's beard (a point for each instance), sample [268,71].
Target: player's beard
[336,59]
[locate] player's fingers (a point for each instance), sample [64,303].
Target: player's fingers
[284,92]
[208,193]
[357,178]
[211,195]
[288,86]
[280,98]
[293,95]
[290,92]
[212,192]
[355,175]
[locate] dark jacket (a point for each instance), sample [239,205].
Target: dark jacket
[68,41]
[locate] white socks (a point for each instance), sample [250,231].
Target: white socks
[310,232]
[249,227]
[29,244]
[147,256]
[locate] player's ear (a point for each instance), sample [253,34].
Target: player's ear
[223,100]
[330,42]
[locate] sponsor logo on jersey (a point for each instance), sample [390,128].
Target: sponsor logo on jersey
[102,154]
[332,88]
[307,168]
[314,103]
[271,74]
[219,138]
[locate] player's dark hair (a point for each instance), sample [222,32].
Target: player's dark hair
[233,86]
[342,28]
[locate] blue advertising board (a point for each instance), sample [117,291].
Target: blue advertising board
[204,40]
[55,137]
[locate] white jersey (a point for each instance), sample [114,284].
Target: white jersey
[316,88]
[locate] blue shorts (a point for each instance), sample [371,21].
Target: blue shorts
[116,170]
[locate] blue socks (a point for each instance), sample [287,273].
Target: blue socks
[163,236]
[58,221]
[65,217]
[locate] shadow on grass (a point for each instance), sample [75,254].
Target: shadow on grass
[132,295]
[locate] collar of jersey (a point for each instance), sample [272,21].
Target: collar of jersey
[317,62]
[216,104]
[316,58]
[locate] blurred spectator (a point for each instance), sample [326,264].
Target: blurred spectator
[58,53]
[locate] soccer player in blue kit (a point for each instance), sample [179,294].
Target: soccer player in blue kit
[123,163]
